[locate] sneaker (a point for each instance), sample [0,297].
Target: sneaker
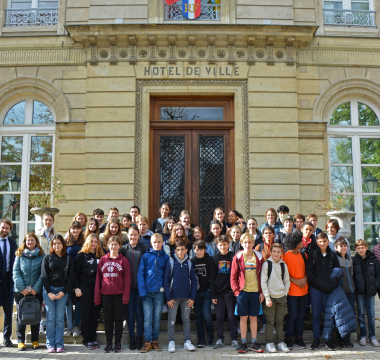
[155,346]
[76,331]
[68,333]
[60,350]
[262,330]
[96,344]
[35,345]
[116,347]
[330,345]
[299,343]
[270,348]
[171,347]
[201,344]
[42,330]
[164,309]
[243,348]
[108,347]
[235,344]
[21,347]
[188,346]
[289,343]
[51,350]
[362,341]
[89,345]
[218,344]
[315,345]
[374,342]
[282,347]
[256,347]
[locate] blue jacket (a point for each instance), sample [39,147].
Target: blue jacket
[27,271]
[338,310]
[150,276]
[179,285]
[276,227]
[146,239]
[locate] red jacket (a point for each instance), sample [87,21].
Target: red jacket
[113,278]
[238,271]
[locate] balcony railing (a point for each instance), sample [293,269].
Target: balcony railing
[31,17]
[208,12]
[349,17]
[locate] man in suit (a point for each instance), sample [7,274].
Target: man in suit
[8,248]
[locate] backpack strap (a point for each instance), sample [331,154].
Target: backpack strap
[270,268]
[304,258]
[261,247]
[282,271]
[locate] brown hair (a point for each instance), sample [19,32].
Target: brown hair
[140,218]
[180,243]
[78,214]
[173,237]
[113,208]
[166,230]
[334,223]
[108,235]
[23,245]
[340,241]
[7,221]
[221,239]
[218,208]
[270,228]
[115,238]
[322,235]
[273,211]
[361,242]
[276,245]
[87,232]
[202,232]
[70,239]
[87,245]
[200,244]
[299,216]
[63,242]
[312,215]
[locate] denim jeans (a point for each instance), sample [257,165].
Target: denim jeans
[55,313]
[185,316]
[296,315]
[318,305]
[202,308]
[366,303]
[152,315]
[135,312]
[69,314]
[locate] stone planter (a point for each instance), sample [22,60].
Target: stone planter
[38,212]
[344,218]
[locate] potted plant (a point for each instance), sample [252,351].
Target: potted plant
[42,201]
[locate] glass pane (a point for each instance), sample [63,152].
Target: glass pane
[342,179]
[30,215]
[21,5]
[7,172]
[359,6]
[371,208]
[41,149]
[368,172]
[48,4]
[367,116]
[352,238]
[10,207]
[31,227]
[40,178]
[371,235]
[191,113]
[341,150]
[16,114]
[370,151]
[42,114]
[11,149]
[332,5]
[341,115]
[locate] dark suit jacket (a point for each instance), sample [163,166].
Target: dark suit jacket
[13,249]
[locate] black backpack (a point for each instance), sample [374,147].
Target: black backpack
[270,267]
[29,311]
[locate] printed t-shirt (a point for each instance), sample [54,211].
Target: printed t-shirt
[251,282]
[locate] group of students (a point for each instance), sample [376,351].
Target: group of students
[241,270]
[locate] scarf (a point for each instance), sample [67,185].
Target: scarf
[305,242]
[32,253]
[47,231]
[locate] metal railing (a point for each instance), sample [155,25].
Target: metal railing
[31,17]
[208,12]
[349,17]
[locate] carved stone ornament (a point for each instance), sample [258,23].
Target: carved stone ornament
[201,53]
[289,52]
[94,51]
[279,54]
[260,53]
[152,50]
[161,53]
[240,54]
[221,53]
[211,49]
[132,49]
[231,50]
[123,53]
[251,51]
[113,59]
[192,58]
[103,54]
[182,53]
[270,57]
[172,43]
[143,53]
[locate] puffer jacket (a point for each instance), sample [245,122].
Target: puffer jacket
[27,271]
[338,310]
[366,274]
[150,277]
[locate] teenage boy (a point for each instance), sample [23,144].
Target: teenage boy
[281,211]
[308,239]
[245,283]
[367,281]
[288,223]
[126,222]
[299,219]
[150,278]
[298,291]
[221,294]
[319,266]
[348,285]
[313,218]
[275,284]
[180,285]
[134,212]
[202,305]
[98,214]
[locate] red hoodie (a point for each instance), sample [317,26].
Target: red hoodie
[113,278]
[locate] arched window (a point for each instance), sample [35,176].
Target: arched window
[26,159]
[354,143]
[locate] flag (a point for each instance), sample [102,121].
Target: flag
[170,2]
[216,2]
[191,8]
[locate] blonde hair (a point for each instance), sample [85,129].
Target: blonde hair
[361,242]
[78,214]
[141,218]
[277,246]
[23,245]
[157,236]
[247,236]
[87,245]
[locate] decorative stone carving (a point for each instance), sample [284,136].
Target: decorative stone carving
[251,51]
[270,58]
[211,49]
[201,53]
[240,54]
[143,53]
[182,53]
[113,59]
[123,53]
[279,54]
[260,54]
[103,54]
[192,58]
[132,49]
[162,53]
[221,53]
[172,42]
[152,49]
[289,51]
[231,50]
[94,51]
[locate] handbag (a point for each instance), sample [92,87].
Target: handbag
[29,311]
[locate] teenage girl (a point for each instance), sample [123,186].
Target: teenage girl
[184,219]
[92,228]
[158,224]
[218,215]
[235,218]
[253,230]
[235,234]
[178,234]
[215,231]
[145,234]
[113,228]
[169,227]
[199,234]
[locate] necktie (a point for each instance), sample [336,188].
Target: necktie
[4,255]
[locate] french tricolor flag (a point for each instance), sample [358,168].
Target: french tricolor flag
[191,8]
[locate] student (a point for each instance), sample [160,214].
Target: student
[254,231]
[113,282]
[281,211]
[134,212]
[126,222]
[134,252]
[184,219]
[215,231]
[202,305]
[245,284]
[235,218]
[171,220]
[98,214]
[313,218]
[271,217]
[348,284]
[145,234]
[86,265]
[158,224]
[178,234]
[308,239]
[57,275]
[319,266]
[46,233]
[198,235]
[275,286]
[221,294]
[298,291]
[113,229]
[287,221]
[82,219]
[150,279]
[332,228]
[219,216]
[27,281]
[235,244]
[265,246]
[180,283]
[367,280]
[92,228]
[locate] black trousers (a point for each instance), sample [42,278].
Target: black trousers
[89,312]
[21,328]
[226,303]
[113,314]
[7,306]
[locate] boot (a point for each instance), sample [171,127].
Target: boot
[139,342]
[132,343]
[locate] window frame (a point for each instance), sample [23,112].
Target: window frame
[346,4]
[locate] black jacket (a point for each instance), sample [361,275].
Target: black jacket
[12,250]
[202,268]
[366,274]
[85,269]
[319,268]
[220,274]
[259,238]
[235,246]
[281,237]
[157,227]
[311,246]
[134,256]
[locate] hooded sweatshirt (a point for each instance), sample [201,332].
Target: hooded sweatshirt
[274,287]
[113,278]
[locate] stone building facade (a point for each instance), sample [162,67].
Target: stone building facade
[280,69]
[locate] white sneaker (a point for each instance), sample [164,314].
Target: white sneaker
[262,330]
[270,348]
[362,341]
[235,344]
[164,309]
[282,347]
[375,342]
[171,347]
[67,333]
[188,346]
[76,331]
